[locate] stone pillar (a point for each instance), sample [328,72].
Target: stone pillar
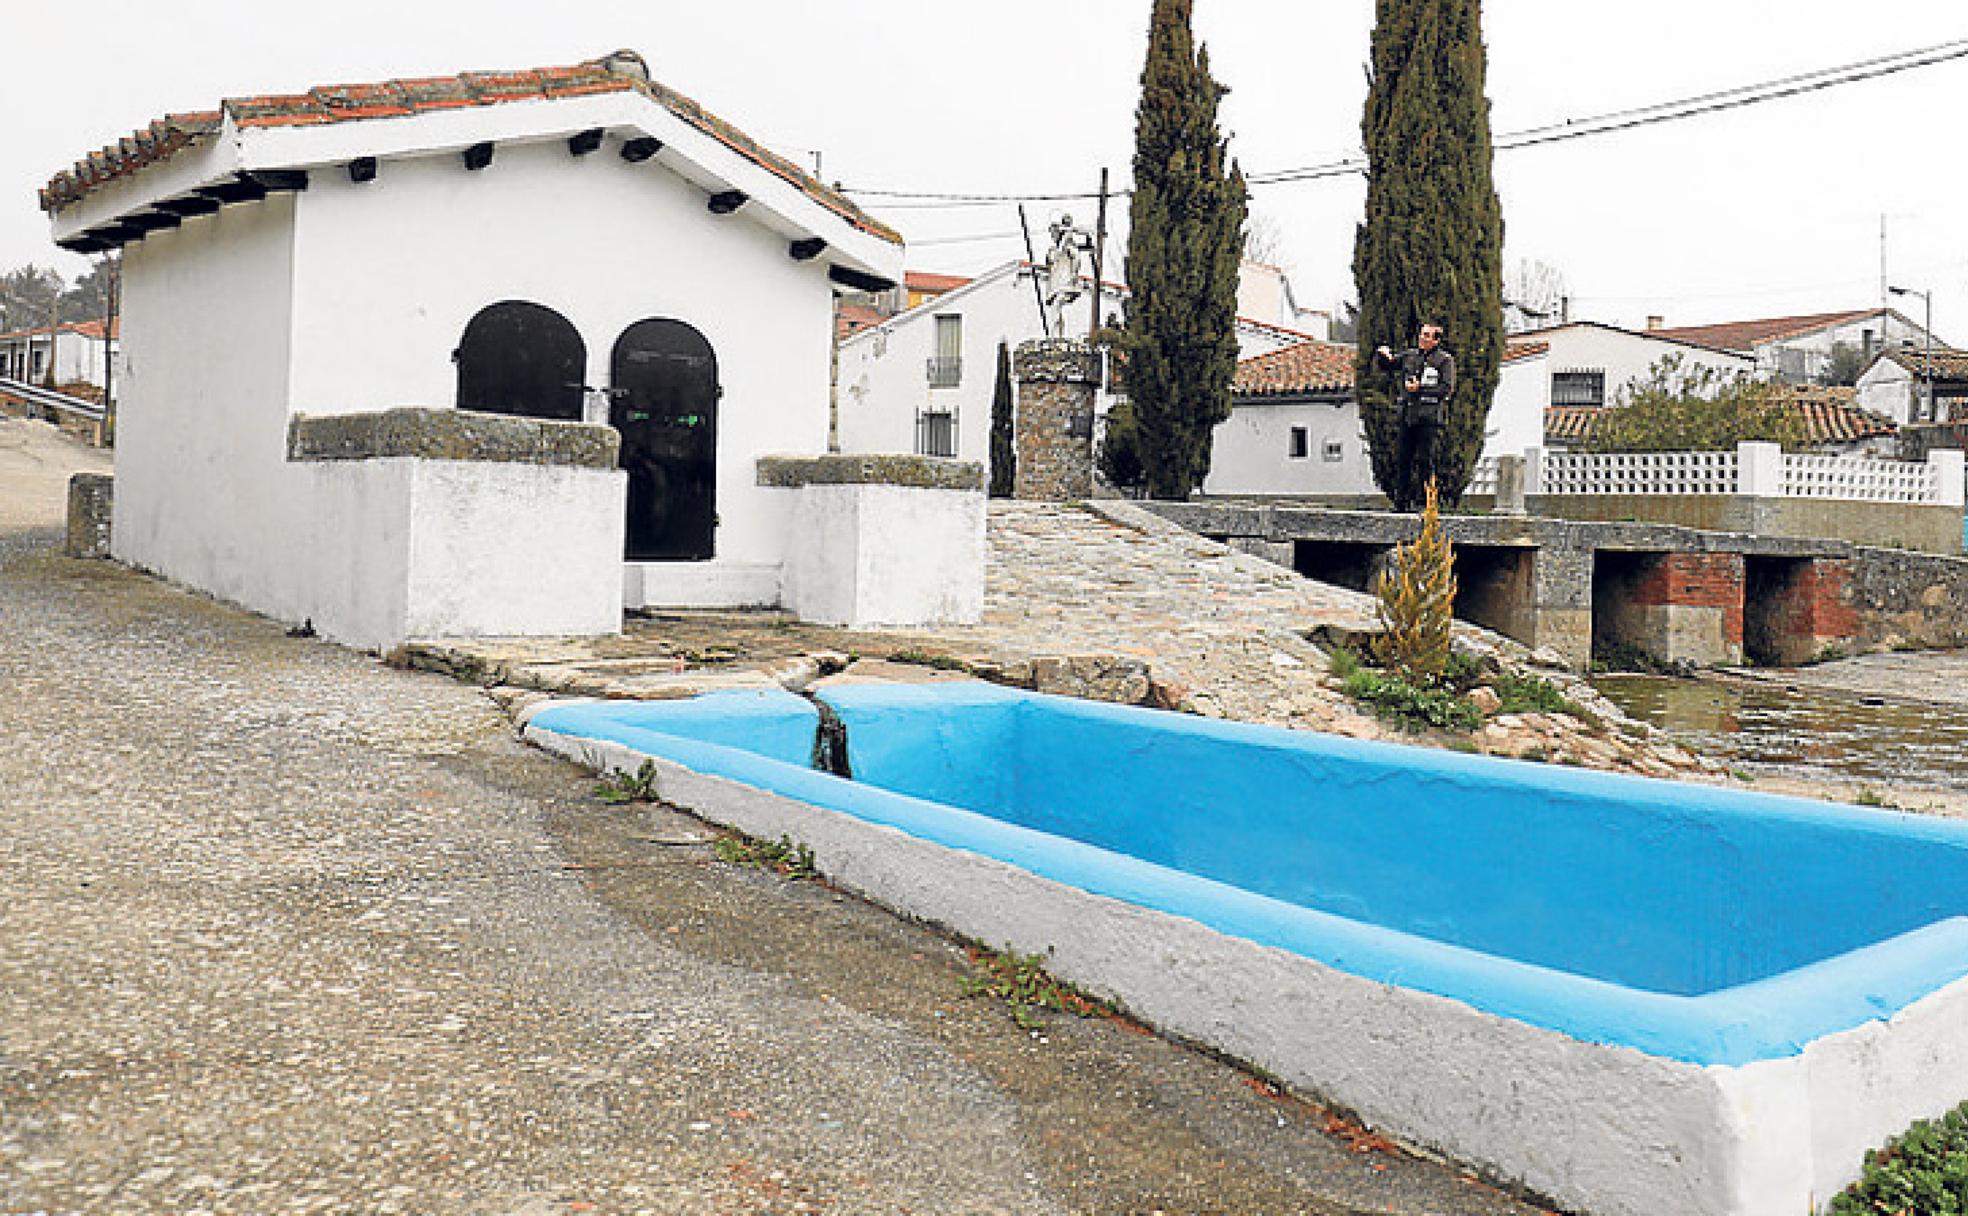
[1759,470]
[1510,486]
[1948,479]
[1679,607]
[91,499]
[1056,381]
[1561,603]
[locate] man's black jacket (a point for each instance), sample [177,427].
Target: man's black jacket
[1437,372]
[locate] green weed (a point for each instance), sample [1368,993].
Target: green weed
[617,788]
[1023,984]
[785,858]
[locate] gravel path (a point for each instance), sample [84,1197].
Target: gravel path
[289,931]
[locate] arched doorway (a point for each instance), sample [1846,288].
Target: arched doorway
[521,358]
[664,386]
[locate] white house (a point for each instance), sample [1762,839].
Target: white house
[82,352]
[563,244]
[1589,363]
[1798,349]
[1294,427]
[922,379]
[1911,385]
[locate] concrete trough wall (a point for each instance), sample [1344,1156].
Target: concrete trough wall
[1769,1118]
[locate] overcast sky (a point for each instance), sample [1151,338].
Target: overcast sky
[1765,211]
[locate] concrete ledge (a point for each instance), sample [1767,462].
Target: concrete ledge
[888,469]
[91,499]
[447,434]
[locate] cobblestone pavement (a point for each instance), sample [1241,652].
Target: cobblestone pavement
[1224,626]
[287,930]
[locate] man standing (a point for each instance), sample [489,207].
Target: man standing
[1425,376]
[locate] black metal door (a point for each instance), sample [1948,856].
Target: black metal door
[664,387]
[521,358]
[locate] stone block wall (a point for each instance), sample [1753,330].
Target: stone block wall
[1675,607]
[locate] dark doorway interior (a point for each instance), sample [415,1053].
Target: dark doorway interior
[521,358]
[664,384]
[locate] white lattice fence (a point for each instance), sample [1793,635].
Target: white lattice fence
[1483,479]
[1640,473]
[1860,480]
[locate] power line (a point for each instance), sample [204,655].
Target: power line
[1599,124]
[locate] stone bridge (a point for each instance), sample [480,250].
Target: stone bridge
[1584,590]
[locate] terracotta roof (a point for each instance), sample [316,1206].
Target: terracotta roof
[617,73]
[853,318]
[1748,335]
[1513,351]
[1947,364]
[1308,367]
[88,329]
[917,280]
[1829,416]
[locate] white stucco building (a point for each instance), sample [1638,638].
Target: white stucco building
[1798,349]
[567,245]
[1295,430]
[82,352]
[1590,364]
[1917,385]
[922,379]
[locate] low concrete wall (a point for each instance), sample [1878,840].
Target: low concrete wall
[439,523]
[882,540]
[1892,525]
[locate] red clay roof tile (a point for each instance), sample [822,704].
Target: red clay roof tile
[399,98]
[1308,367]
[1747,335]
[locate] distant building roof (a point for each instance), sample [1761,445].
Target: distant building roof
[1308,367]
[1513,351]
[1946,363]
[853,318]
[620,72]
[1829,416]
[1678,337]
[87,329]
[1748,335]
[932,284]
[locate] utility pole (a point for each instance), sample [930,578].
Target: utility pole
[112,266]
[1099,255]
[1032,260]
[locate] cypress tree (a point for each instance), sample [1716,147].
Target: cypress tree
[1184,240]
[1431,247]
[1004,450]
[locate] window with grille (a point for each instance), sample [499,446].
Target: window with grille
[1578,388]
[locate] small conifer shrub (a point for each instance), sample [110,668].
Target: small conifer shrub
[1417,602]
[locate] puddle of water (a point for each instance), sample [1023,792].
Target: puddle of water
[1766,724]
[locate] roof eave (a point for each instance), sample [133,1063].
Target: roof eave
[694,155]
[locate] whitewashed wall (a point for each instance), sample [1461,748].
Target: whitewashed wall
[1887,388]
[605,244]
[202,487]
[1517,411]
[884,370]
[406,548]
[1623,355]
[1251,451]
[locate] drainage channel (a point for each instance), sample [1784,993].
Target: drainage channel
[829,738]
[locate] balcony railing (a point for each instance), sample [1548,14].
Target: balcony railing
[946,371]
